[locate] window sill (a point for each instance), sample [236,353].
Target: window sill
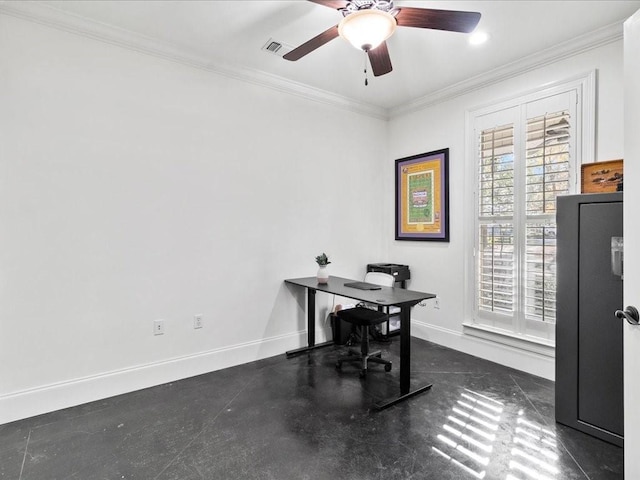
[520,342]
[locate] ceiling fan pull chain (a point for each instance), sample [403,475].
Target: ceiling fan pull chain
[366,80]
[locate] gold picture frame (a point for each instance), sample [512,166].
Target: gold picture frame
[602,177]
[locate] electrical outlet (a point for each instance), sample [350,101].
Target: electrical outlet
[158,327]
[436,303]
[197,321]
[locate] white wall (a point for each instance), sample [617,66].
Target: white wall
[133,188]
[440,267]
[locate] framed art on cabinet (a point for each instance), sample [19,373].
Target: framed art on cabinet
[422,197]
[602,177]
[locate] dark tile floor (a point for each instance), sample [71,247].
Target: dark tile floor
[299,418]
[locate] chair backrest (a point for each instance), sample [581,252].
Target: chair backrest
[380,278]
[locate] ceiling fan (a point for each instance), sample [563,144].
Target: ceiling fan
[367,24]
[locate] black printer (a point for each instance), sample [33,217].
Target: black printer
[400,272]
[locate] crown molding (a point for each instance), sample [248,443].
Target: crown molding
[55,18]
[51,17]
[575,46]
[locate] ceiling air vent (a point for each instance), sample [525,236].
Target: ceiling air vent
[277,48]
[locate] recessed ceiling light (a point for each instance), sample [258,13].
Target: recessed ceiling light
[478,38]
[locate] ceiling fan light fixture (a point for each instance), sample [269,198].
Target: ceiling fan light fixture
[367,29]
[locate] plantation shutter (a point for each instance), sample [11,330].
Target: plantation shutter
[496,286]
[547,176]
[524,161]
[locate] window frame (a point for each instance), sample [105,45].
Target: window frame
[517,331]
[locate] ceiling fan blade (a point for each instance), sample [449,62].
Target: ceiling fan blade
[316,42]
[451,20]
[380,60]
[337,4]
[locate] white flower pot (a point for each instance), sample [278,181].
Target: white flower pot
[323,274]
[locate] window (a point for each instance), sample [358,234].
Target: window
[525,155]
[496,254]
[548,165]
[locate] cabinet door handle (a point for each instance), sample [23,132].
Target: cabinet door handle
[630,314]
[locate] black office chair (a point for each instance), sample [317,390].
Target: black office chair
[365,317]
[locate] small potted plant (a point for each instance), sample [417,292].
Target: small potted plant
[323,274]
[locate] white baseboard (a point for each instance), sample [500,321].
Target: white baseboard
[520,359]
[49,398]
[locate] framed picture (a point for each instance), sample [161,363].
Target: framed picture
[601,177]
[422,197]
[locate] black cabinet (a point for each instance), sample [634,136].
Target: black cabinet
[589,361]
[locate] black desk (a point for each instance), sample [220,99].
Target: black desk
[385,297]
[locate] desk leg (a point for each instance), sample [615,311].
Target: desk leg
[311,317]
[405,349]
[311,327]
[405,362]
